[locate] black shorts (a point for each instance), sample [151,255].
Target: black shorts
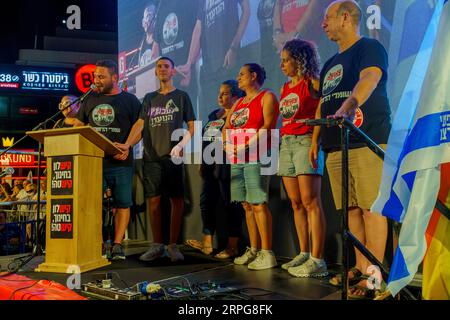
[163,178]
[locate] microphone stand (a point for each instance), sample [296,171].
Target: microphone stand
[37,248]
[348,238]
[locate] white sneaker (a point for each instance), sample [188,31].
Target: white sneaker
[310,269]
[265,259]
[174,253]
[297,261]
[156,251]
[246,258]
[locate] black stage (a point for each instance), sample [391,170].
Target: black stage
[271,284]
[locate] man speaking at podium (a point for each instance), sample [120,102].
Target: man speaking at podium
[113,112]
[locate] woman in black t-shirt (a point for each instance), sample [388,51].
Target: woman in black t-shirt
[215,175]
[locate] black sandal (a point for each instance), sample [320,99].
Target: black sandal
[337,279]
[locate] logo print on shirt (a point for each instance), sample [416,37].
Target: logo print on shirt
[289,106]
[103,115]
[170,29]
[160,115]
[146,58]
[332,79]
[214,129]
[239,118]
[214,9]
[359,118]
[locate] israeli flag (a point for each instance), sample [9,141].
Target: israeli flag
[418,144]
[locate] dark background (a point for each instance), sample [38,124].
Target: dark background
[22,20]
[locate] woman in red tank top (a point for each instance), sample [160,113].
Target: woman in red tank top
[302,179]
[247,136]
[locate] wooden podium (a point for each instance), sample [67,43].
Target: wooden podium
[74,198]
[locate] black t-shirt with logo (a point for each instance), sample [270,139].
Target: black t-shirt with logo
[162,115]
[145,53]
[339,77]
[113,116]
[266,9]
[220,21]
[212,141]
[174,25]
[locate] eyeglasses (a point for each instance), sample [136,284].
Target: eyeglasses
[31,191]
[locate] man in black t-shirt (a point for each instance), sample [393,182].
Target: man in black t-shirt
[163,112]
[353,86]
[112,113]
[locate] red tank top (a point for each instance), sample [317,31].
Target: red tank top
[297,104]
[292,12]
[245,121]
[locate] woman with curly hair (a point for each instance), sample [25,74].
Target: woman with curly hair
[302,179]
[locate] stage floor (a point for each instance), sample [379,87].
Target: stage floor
[271,284]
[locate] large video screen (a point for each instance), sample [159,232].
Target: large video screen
[210,39]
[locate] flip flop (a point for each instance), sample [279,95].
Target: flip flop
[199,246]
[337,279]
[194,244]
[368,294]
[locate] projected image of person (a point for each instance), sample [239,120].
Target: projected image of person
[353,86]
[112,112]
[163,112]
[69,113]
[218,32]
[174,28]
[269,56]
[302,179]
[246,133]
[149,48]
[295,19]
[216,179]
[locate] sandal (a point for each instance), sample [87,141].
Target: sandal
[199,246]
[337,279]
[227,253]
[368,293]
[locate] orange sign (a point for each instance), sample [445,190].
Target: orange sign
[17,160]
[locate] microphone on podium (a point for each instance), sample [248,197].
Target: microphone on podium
[84,96]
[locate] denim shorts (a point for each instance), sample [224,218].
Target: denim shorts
[294,157]
[119,180]
[248,185]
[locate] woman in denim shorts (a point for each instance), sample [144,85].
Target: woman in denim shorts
[246,137]
[302,179]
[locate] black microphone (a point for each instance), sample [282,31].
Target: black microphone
[7,172]
[84,96]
